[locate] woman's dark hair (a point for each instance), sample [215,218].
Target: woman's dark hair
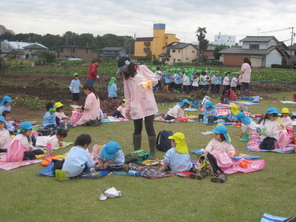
[132,70]
[49,106]
[61,132]
[90,88]
[222,137]
[246,60]
[82,140]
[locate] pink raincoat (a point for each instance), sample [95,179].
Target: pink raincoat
[246,76]
[91,109]
[140,102]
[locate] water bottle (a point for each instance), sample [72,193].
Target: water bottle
[48,150]
[134,173]
[62,123]
[95,150]
[254,137]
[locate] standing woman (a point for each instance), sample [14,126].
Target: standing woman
[245,76]
[91,112]
[140,102]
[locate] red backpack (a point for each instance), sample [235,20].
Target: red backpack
[15,151]
[294,97]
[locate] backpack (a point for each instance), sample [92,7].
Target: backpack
[209,165]
[294,97]
[137,156]
[231,94]
[15,151]
[196,103]
[223,160]
[163,143]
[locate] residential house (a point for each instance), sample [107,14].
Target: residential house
[154,44]
[292,52]
[82,52]
[33,51]
[178,52]
[262,51]
[24,50]
[113,52]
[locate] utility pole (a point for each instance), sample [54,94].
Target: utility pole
[292,36]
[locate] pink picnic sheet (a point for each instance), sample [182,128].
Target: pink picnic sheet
[13,165]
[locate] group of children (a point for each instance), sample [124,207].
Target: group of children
[188,80]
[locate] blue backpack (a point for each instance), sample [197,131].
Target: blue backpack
[196,103]
[163,143]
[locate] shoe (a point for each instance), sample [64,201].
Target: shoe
[60,175]
[221,178]
[198,176]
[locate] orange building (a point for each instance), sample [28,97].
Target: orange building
[155,44]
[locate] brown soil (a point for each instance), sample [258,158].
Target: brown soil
[55,87]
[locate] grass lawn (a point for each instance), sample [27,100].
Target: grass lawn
[27,196]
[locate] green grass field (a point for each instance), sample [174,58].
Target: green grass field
[28,196]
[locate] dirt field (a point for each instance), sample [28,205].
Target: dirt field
[55,87]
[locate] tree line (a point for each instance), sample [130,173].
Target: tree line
[53,42]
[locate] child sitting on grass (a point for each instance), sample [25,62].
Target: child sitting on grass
[78,159]
[177,158]
[7,115]
[248,126]
[24,137]
[270,129]
[178,110]
[4,135]
[49,119]
[121,111]
[111,157]
[221,141]
[210,111]
[286,119]
[55,139]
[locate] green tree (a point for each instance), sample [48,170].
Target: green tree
[47,56]
[217,50]
[203,42]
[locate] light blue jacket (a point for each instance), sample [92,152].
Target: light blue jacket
[75,86]
[178,162]
[112,90]
[49,119]
[76,161]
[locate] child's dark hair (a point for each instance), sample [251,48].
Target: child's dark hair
[266,116]
[222,137]
[5,112]
[82,140]
[61,132]
[90,88]
[58,109]
[49,106]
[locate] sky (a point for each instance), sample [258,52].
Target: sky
[136,17]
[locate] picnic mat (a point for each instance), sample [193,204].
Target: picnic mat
[241,156]
[111,119]
[284,150]
[245,103]
[64,144]
[270,218]
[288,102]
[13,165]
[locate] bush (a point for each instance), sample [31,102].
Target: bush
[281,66]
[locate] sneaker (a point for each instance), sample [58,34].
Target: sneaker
[60,175]
[198,176]
[221,178]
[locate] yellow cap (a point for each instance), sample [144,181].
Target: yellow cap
[58,105]
[285,110]
[181,146]
[234,109]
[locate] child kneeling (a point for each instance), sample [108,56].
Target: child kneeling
[177,158]
[111,157]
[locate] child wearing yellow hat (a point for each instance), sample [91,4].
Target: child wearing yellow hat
[177,158]
[285,118]
[234,111]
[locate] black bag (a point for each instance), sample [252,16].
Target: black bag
[209,165]
[268,143]
[163,143]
